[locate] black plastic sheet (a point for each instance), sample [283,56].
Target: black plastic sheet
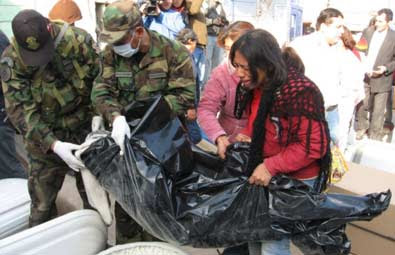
[184,195]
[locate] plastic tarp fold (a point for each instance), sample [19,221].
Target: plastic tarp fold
[186,196]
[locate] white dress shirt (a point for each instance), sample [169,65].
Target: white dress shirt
[374,48]
[321,63]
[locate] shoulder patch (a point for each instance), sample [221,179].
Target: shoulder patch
[157,75]
[8,61]
[5,73]
[123,74]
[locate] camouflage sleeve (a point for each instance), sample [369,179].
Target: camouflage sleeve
[92,60]
[181,88]
[21,98]
[104,93]
[14,111]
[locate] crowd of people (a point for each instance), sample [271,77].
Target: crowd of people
[227,82]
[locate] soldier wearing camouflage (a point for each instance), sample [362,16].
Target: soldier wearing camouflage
[138,64]
[163,68]
[47,90]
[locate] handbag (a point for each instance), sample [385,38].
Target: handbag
[339,165]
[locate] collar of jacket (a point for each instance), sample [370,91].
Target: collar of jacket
[155,50]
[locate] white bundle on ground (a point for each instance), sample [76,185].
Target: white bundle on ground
[143,248]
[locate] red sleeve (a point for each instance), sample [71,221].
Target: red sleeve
[293,157]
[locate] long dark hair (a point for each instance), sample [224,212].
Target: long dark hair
[286,92]
[292,59]
[262,52]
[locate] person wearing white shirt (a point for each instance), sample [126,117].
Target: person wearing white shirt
[321,62]
[352,87]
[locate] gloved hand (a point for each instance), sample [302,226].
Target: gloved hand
[65,152]
[120,128]
[97,123]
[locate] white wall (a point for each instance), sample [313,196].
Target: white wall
[88,21]
[271,15]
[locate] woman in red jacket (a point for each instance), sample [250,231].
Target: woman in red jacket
[287,121]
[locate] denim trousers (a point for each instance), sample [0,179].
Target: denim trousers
[276,247]
[214,55]
[199,59]
[332,117]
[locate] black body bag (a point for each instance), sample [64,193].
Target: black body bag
[186,196]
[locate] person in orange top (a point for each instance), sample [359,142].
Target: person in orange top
[66,11]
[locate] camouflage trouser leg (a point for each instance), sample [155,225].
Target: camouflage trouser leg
[128,230]
[46,176]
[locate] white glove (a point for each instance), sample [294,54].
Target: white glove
[120,128]
[65,152]
[97,123]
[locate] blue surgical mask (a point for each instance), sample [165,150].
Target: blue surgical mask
[126,50]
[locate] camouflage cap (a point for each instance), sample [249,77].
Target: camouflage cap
[118,18]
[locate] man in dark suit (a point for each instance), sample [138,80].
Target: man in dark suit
[380,64]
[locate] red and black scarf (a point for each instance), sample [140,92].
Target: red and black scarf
[297,97]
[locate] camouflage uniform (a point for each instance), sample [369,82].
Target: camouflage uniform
[48,105]
[166,69]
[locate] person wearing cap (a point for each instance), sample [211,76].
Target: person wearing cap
[50,68]
[138,64]
[66,11]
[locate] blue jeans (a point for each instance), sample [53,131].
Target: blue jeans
[214,55]
[332,117]
[276,247]
[199,59]
[194,132]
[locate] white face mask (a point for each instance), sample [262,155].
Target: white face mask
[126,50]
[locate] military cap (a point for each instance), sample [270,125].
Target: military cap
[119,17]
[35,44]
